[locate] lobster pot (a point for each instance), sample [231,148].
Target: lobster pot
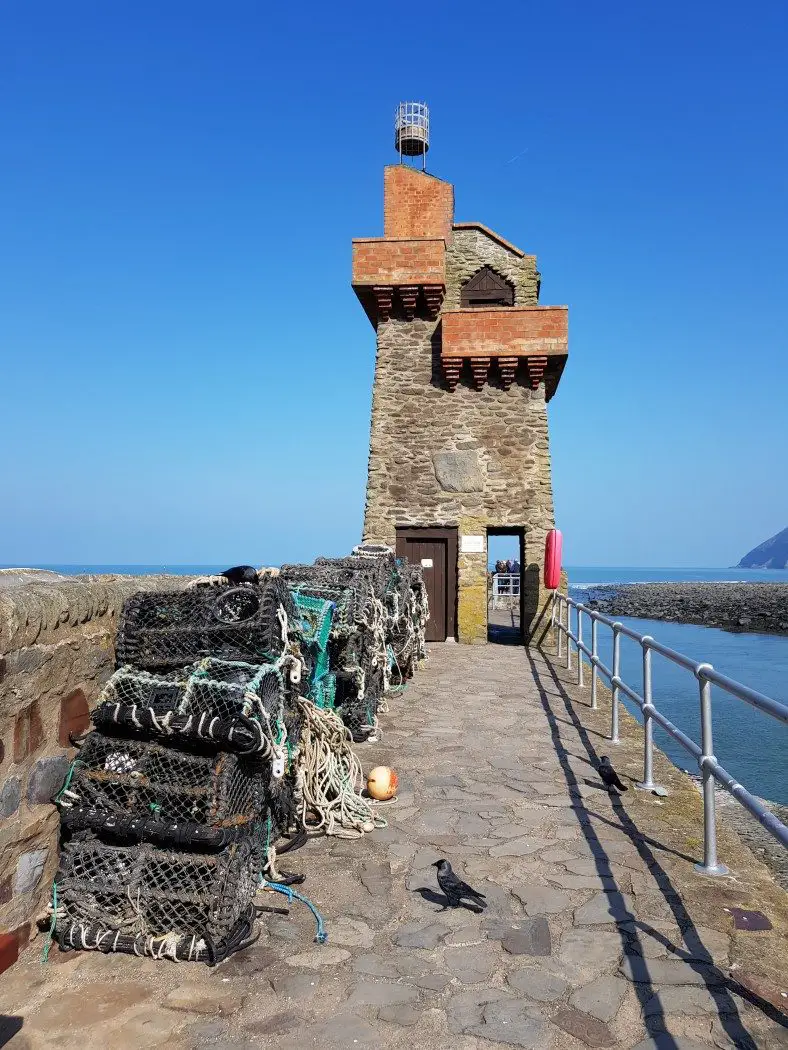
[360,685]
[152,901]
[234,705]
[316,621]
[143,791]
[161,631]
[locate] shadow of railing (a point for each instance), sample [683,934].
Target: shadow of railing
[717,984]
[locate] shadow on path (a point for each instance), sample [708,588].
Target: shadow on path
[697,957]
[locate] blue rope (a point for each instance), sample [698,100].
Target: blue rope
[321,936]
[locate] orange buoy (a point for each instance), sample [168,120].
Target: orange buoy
[552,559]
[382,783]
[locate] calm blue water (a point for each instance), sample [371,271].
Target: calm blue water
[752,746]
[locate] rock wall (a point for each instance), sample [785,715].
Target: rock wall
[471,459]
[56,652]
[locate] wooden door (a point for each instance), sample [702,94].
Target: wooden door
[436,551]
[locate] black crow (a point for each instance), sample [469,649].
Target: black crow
[455,889]
[609,776]
[240,574]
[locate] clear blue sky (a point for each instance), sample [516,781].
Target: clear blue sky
[186,372]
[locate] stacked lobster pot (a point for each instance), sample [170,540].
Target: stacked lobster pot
[377,629]
[173,807]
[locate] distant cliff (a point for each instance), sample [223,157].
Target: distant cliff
[771,554]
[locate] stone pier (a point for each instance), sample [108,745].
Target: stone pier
[598,931]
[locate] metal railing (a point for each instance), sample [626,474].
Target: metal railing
[505,588]
[703,753]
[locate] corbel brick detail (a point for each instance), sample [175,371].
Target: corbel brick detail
[384,297]
[408,294]
[480,367]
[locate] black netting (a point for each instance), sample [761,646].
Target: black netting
[231,704]
[141,790]
[158,631]
[155,901]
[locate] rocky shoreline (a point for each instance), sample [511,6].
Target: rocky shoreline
[759,607]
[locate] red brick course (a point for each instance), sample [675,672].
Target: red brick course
[505,331]
[396,262]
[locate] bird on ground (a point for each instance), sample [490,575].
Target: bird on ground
[609,776]
[456,890]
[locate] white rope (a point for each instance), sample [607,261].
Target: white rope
[332,778]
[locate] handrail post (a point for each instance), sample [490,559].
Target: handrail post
[594,654]
[647,783]
[568,639]
[579,650]
[558,625]
[710,865]
[614,737]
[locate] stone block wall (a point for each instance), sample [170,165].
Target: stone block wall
[56,651]
[472,246]
[470,459]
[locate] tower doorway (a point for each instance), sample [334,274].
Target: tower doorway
[505,552]
[436,551]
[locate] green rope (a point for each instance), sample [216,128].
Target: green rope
[68,779]
[51,932]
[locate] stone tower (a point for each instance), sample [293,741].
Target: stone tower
[467,360]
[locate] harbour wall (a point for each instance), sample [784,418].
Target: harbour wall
[57,637]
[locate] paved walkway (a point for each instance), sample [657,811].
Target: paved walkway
[598,932]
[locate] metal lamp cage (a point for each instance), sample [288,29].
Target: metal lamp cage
[412,130]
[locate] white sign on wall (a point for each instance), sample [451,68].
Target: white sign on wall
[472,544]
[426,563]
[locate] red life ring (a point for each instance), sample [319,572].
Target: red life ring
[552,559]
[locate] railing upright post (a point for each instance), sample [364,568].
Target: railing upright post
[579,650]
[647,783]
[614,737]
[594,626]
[568,639]
[710,865]
[557,607]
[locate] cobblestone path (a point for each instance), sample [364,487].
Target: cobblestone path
[598,932]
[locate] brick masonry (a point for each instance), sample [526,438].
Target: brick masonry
[502,434]
[415,204]
[56,651]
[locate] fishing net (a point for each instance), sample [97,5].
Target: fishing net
[138,790]
[316,623]
[239,706]
[150,901]
[160,631]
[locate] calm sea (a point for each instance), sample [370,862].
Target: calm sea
[752,746]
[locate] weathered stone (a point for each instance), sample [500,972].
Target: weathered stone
[689,999]
[666,1041]
[283,929]
[541,900]
[514,1023]
[662,972]
[319,958]
[532,937]
[351,933]
[602,998]
[74,717]
[276,1025]
[46,779]
[470,965]
[434,982]
[404,1015]
[375,966]
[295,985]
[29,869]
[587,1029]
[202,999]
[340,1032]
[523,847]
[380,993]
[466,1008]
[415,935]
[586,952]
[604,908]
[376,878]
[10,797]
[248,963]
[458,471]
[538,984]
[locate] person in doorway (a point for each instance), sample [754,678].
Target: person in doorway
[508,564]
[515,566]
[500,566]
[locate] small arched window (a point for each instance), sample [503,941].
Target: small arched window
[487,288]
